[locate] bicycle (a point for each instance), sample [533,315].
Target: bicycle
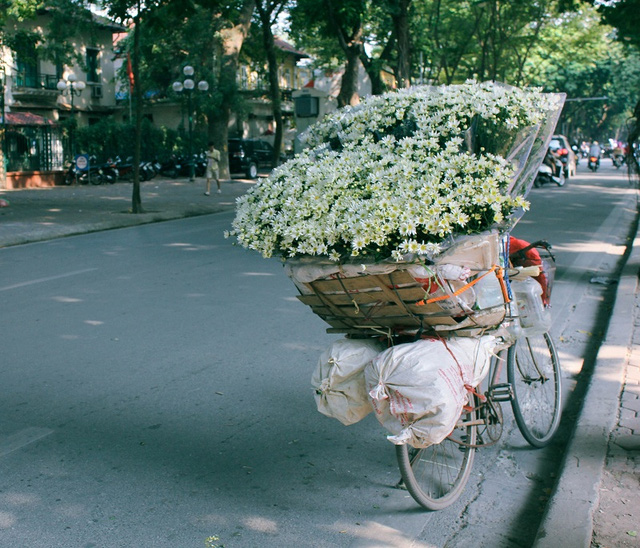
[437,475]
[392,304]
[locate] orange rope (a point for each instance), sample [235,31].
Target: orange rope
[503,285]
[465,287]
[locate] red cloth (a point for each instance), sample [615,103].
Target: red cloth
[531,258]
[130,73]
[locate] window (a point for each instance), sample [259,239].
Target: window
[93,65]
[288,78]
[23,44]
[27,65]
[244,77]
[307,106]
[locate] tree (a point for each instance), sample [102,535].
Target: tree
[582,68]
[443,32]
[399,10]
[624,15]
[346,20]
[487,39]
[268,12]
[351,33]
[135,11]
[599,75]
[207,33]
[238,23]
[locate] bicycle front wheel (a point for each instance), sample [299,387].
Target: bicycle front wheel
[436,476]
[533,370]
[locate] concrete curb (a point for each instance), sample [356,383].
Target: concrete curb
[568,520]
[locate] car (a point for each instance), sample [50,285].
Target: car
[248,156]
[560,145]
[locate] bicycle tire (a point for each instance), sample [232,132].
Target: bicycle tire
[437,475]
[533,370]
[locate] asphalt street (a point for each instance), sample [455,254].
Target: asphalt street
[43,214]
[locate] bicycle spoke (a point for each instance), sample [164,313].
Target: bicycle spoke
[436,475]
[535,376]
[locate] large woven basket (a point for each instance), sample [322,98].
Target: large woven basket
[392,298]
[392,303]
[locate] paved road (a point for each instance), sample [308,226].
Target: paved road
[138,414]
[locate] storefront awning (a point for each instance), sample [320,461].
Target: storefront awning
[25,119]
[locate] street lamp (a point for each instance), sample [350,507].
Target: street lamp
[72,86]
[188,86]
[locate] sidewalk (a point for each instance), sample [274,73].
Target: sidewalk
[43,214]
[598,492]
[596,502]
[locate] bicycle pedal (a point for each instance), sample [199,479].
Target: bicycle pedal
[501,392]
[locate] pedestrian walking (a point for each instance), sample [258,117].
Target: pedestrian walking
[213,157]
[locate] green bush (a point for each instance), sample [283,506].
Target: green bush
[108,139]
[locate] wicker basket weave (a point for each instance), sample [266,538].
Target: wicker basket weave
[390,303]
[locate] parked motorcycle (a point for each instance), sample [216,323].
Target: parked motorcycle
[125,168]
[93,174]
[110,172]
[71,174]
[147,171]
[594,163]
[199,163]
[171,167]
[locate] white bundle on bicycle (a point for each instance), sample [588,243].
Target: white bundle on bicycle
[418,389]
[338,380]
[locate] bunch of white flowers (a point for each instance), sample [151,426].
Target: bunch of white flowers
[396,175]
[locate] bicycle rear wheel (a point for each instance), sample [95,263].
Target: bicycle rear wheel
[533,370]
[436,476]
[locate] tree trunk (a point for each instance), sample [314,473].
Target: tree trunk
[400,18]
[373,67]
[274,84]
[136,200]
[349,85]
[352,47]
[232,40]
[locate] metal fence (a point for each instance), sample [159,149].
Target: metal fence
[33,148]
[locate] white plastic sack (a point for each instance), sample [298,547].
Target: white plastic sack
[476,352]
[418,389]
[338,379]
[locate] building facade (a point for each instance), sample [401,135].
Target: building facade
[38,115]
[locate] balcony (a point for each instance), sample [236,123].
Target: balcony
[30,86]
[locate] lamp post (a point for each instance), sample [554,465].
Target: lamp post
[72,86]
[188,86]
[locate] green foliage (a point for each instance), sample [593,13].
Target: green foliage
[19,9]
[576,54]
[624,15]
[66,19]
[24,43]
[109,139]
[174,34]
[487,39]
